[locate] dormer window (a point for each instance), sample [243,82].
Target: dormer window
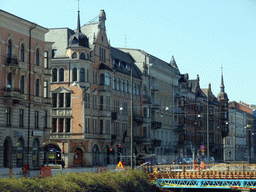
[82,55]
[74,55]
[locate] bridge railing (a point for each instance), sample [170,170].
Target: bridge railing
[203,171]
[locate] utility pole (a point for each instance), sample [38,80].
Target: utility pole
[29,87]
[131,119]
[208,152]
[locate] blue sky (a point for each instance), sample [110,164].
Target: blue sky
[202,35]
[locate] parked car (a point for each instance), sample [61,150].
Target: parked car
[181,161]
[189,161]
[211,160]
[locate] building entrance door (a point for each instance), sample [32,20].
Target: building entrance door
[78,157]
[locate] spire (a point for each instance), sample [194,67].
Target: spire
[222,87]
[78,20]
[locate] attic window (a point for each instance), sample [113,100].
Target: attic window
[102,38]
[74,55]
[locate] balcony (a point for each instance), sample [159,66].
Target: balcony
[155,106]
[146,99]
[12,96]
[156,125]
[11,60]
[113,137]
[114,116]
[62,112]
[105,88]
[179,129]
[103,113]
[177,111]
[156,142]
[141,139]
[154,85]
[138,118]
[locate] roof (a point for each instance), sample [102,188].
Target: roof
[127,59]
[90,31]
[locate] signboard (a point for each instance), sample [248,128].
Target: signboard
[202,147]
[120,165]
[37,133]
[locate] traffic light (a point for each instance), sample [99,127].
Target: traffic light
[119,148]
[111,150]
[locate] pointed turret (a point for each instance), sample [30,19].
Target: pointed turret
[78,39]
[222,95]
[102,19]
[173,63]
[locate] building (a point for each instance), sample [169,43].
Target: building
[159,99]
[91,90]
[239,145]
[24,91]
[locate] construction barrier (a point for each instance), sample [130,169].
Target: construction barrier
[46,171]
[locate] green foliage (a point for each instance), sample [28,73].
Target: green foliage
[125,181]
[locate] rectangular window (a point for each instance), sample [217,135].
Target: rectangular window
[36,119]
[54,125]
[61,123]
[107,126]
[45,118]
[108,103]
[67,125]
[45,89]
[54,99]
[68,99]
[94,101]
[87,125]
[100,53]
[87,100]
[61,99]
[101,103]
[101,126]
[21,118]
[46,60]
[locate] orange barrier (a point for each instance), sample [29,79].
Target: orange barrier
[10,172]
[46,171]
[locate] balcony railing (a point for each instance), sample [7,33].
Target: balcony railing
[156,142]
[105,88]
[155,106]
[146,99]
[156,125]
[114,116]
[12,60]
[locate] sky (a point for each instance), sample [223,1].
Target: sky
[202,35]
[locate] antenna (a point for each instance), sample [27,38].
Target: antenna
[125,43]
[78,5]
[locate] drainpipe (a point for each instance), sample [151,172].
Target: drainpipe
[29,88]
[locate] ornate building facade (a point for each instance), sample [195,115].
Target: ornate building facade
[24,91]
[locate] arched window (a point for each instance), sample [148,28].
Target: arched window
[54,75]
[114,82]
[122,85]
[37,57]
[20,152]
[22,86]
[82,75]
[74,55]
[9,51]
[61,75]
[118,84]
[144,90]
[22,53]
[134,89]
[107,79]
[127,87]
[102,79]
[35,158]
[37,88]
[138,90]
[74,74]
[82,55]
